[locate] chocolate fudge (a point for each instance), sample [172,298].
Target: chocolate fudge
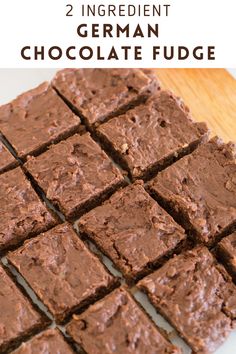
[18,318]
[64,274]
[75,174]
[116,324]
[196,296]
[36,119]
[226,251]
[7,160]
[133,231]
[50,341]
[22,213]
[99,94]
[200,190]
[153,135]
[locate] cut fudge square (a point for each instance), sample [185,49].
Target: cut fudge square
[133,230]
[18,318]
[200,189]
[99,94]
[7,160]
[50,341]
[36,119]
[153,135]
[116,324]
[22,213]
[226,250]
[64,274]
[196,296]
[75,174]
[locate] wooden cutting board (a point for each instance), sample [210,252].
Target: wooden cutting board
[209,93]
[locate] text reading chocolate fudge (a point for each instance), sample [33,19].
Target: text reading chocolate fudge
[75,174]
[196,296]
[226,250]
[47,342]
[22,213]
[133,230]
[200,189]
[18,318]
[36,119]
[116,324]
[60,269]
[99,94]
[7,160]
[153,135]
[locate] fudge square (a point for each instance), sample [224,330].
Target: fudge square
[196,296]
[64,274]
[7,160]
[50,341]
[151,136]
[133,230]
[75,174]
[18,318]
[200,189]
[99,94]
[22,213]
[226,250]
[36,119]
[116,324]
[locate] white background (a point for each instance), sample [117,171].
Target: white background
[191,23]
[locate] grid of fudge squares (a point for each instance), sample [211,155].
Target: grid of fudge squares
[62,271]
[50,341]
[18,318]
[36,119]
[22,213]
[196,295]
[226,251]
[133,231]
[7,160]
[116,324]
[99,94]
[75,174]
[200,190]
[153,135]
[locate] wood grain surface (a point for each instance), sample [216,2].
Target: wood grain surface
[209,93]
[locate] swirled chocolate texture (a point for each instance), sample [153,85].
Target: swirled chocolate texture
[18,318]
[200,189]
[153,135]
[117,324]
[75,174]
[133,230]
[99,94]
[35,119]
[196,295]
[226,250]
[47,342]
[61,270]
[22,213]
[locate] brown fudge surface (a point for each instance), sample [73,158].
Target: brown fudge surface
[74,174]
[226,250]
[196,296]
[98,94]
[18,318]
[132,230]
[7,160]
[151,136]
[201,190]
[64,274]
[50,341]
[22,213]
[116,324]
[36,119]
